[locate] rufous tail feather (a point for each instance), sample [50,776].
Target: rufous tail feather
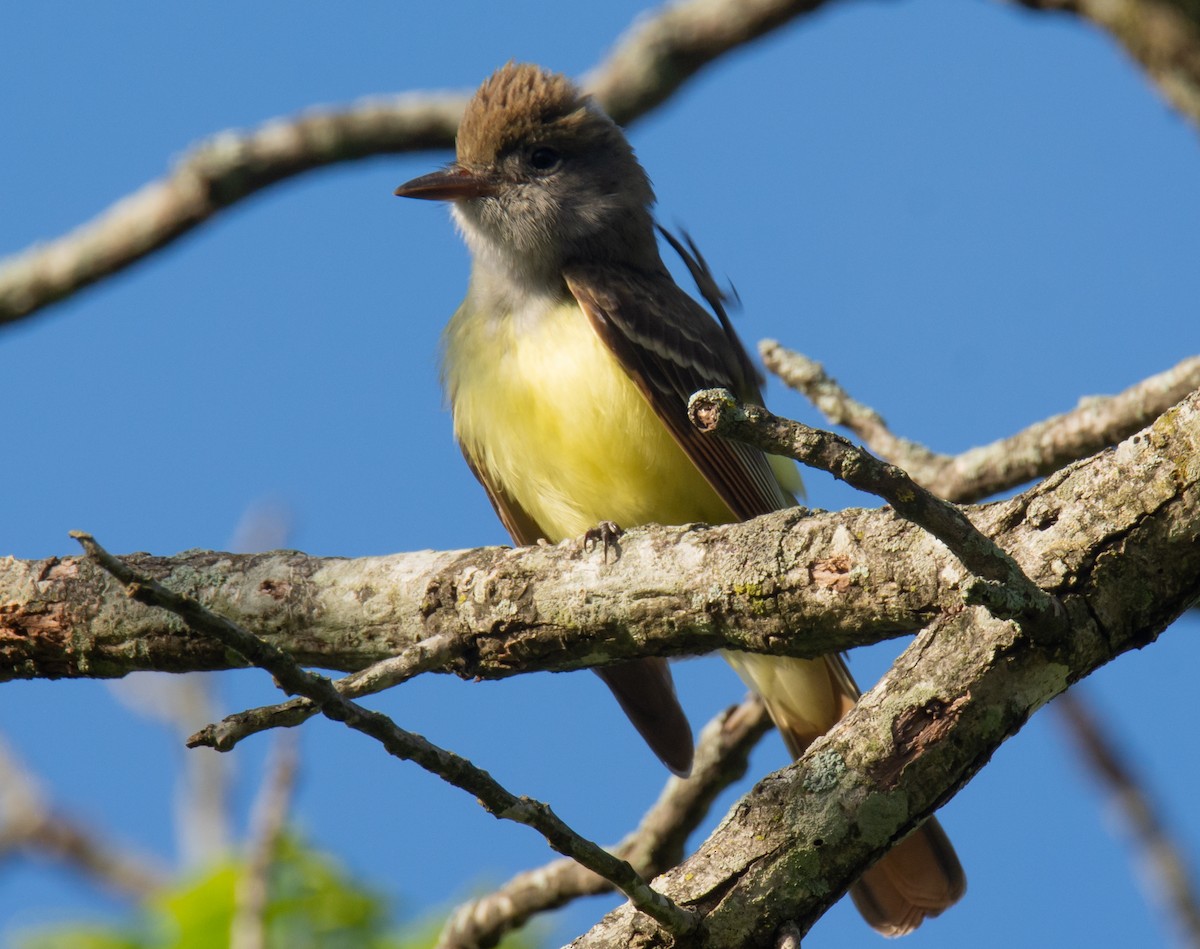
[920,876]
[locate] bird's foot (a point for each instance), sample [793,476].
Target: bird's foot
[606,533]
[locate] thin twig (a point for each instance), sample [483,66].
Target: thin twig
[999,582]
[980,472]
[29,825]
[248,930]
[427,655]
[452,768]
[202,797]
[722,754]
[657,55]
[1174,883]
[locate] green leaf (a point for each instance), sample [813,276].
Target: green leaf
[313,903]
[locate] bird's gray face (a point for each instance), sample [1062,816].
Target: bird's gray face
[548,202]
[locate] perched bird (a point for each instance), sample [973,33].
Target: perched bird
[568,368]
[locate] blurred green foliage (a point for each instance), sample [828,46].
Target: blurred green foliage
[312,904]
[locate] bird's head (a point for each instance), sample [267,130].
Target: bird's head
[543,178]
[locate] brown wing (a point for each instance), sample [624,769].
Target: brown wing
[715,296]
[671,347]
[643,687]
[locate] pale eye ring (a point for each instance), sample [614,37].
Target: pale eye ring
[544,158]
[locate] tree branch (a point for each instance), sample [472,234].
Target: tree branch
[673,591]
[656,56]
[1173,886]
[722,754]
[659,53]
[428,655]
[965,685]
[407,746]
[251,896]
[1162,36]
[845,579]
[29,825]
[218,173]
[1047,446]
[1004,588]
[803,834]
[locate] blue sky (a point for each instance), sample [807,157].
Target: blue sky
[972,215]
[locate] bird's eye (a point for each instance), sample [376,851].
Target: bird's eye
[544,158]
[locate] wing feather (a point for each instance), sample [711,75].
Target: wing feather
[671,347]
[516,520]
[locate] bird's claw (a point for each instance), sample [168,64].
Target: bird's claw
[606,533]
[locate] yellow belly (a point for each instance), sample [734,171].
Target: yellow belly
[541,403]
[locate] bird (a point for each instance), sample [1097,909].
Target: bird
[567,369]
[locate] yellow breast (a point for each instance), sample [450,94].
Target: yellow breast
[545,408]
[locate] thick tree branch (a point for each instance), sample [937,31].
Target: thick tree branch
[1122,570]
[655,57]
[803,834]
[407,746]
[661,52]
[1097,423]
[672,591]
[845,579]
[964,686]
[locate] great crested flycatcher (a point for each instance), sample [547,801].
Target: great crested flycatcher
[568,369]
